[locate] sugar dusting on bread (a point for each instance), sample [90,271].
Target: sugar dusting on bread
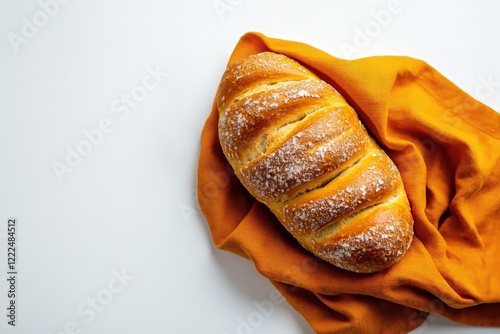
[250,112]
[306,155]
[364,184]
[298,147]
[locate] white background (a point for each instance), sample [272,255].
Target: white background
[128,208]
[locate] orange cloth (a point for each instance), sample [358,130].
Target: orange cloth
[447,148]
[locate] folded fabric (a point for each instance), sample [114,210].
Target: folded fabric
[446,145]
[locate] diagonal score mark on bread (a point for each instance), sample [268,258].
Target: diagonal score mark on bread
[299,148]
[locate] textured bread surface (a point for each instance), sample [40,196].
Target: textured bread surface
[298,147]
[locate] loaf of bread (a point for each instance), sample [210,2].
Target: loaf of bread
[298,147]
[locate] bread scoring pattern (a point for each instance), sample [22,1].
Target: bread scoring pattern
[300,148]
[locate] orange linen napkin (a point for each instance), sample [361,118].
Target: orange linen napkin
[447,148]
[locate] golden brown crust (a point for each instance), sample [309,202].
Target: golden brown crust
[266,68]
[378,238]
[283,104]
[370,180]
[298,147]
